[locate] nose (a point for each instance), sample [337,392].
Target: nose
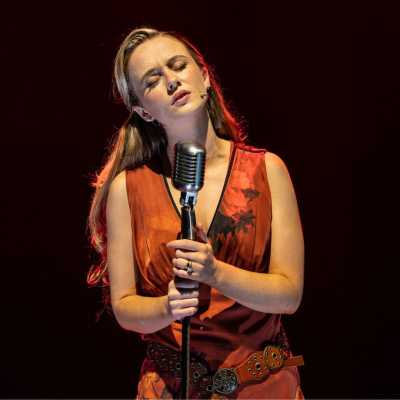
[172,85]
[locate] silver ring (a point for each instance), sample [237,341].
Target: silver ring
[189,268]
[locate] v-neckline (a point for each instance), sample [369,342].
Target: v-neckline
[232,153]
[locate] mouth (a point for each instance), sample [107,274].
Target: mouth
[178,96]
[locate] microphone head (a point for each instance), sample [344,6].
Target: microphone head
[190,161]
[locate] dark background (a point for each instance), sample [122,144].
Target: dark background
[318,84]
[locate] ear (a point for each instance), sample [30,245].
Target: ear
[206,77]
[143,113]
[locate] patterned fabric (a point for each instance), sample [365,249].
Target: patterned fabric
[223,332]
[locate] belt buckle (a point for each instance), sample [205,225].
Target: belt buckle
[225,381]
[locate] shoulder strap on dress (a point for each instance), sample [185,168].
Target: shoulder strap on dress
[249,148]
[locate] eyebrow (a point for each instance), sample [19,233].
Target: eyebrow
[170,62]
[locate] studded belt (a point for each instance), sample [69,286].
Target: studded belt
[257,367]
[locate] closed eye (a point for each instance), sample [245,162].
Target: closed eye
[154,79]
[152,82]
[179,66]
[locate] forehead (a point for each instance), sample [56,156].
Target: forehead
[154,52]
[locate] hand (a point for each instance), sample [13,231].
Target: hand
[183,303]
[201,254]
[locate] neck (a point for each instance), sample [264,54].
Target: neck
[201,132]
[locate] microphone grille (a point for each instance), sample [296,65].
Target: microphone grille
[189,168]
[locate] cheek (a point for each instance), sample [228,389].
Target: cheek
[153,102]
[196,78]
[192,76]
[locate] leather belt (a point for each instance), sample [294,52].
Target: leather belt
[257,367]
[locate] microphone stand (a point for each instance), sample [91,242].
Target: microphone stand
[188,177]
[188,231]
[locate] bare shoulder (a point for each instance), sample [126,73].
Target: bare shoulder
[279,180]
[118,183]
[117,199]
[276,167]
[117,191]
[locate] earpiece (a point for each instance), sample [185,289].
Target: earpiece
[205,94]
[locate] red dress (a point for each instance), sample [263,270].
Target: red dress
[223,331]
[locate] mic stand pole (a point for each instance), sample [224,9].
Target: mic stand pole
[188,231]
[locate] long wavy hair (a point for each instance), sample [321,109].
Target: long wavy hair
[137,141]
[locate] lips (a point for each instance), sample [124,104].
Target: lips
[178,95]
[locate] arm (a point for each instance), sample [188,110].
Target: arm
[133,312]
[280,290]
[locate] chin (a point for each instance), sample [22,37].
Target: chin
[191,107]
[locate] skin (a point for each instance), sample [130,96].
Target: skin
[188,122]
[279,290]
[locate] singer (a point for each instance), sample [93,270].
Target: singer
[246,267]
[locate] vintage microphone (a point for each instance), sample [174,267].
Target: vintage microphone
[188,178]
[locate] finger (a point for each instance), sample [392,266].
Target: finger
[197,256]
[174,294]
[171,287]
[182,313]
[181,273]
[171,284]
[198,260]
[185,244]
[183,303]
[182,261]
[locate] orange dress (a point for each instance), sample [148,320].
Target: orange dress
[223,332]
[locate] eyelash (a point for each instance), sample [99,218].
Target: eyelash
[180,67]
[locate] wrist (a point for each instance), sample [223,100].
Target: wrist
[218,274]
[166,309]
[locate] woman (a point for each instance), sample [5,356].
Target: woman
[245,270]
